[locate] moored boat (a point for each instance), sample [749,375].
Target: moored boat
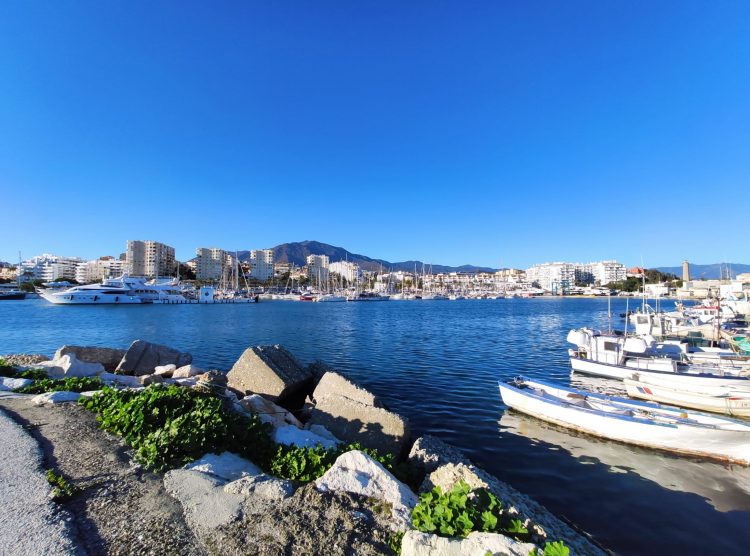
[641,423]
[717,400]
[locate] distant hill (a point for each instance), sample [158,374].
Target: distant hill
[297,253]
[709,271]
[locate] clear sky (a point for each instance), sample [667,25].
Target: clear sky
[486,132]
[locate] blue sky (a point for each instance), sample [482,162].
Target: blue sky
[491,133]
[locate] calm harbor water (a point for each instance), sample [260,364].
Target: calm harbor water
[438,362]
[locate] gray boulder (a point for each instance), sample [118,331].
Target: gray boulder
[334,384]
[429,452]
[270,371]
[108,357]
[353,421]
[143,357]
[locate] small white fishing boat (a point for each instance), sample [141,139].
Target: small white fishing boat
[641,423]
[718,400]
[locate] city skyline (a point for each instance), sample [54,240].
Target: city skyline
[493,134]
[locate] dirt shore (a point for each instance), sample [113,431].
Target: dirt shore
[120,508]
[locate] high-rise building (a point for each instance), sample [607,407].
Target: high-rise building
[211,263]
[99,269]
[347,270]
[150,259]
[261,261]
[317,268]
[556,277]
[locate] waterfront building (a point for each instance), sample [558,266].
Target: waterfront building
[8,272]
[555,277]
[48,268]
[347,270]
[261,264]
[99,269]
[685,271]
[606,272]
[317,267]
[149,258]
[211,263]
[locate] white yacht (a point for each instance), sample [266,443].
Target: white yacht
[123,290]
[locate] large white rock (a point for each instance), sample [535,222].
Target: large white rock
[69,366]
[415,543]
[8,384]
[186,371]
[264,486]
[358,473]
[293,436]
[52,398]
[269,412]
[165,370]
[226,466]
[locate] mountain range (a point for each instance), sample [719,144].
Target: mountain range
[709,271]
[297,253]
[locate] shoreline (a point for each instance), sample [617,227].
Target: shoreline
[110,483]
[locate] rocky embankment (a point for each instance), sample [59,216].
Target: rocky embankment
[348,500]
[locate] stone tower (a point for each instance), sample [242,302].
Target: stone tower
[685,271]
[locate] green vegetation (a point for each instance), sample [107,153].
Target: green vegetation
[61,489]
[171,426]
[462,510]
[556,548]
[307,464]
[73,384]
[633,284]
[394,542]
[6,369]
[33,374]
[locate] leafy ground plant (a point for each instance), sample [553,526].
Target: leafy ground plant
[73,384]
[463,510]
[307,464]
[33,374]
[168,426]
[6,369]
[556,548]
[61,489]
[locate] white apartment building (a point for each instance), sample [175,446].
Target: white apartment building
[48,267]
[99,269]
[554,277]
[149,258]
[211,263]
[605,272]
[317,267]
[261,264]
[348,271]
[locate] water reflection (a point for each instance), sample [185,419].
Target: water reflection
[726,488]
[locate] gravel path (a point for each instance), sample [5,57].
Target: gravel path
[119,509]
[30,522]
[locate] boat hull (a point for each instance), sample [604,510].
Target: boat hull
[729,402]
[91,299]
[709,442]
[684,380]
